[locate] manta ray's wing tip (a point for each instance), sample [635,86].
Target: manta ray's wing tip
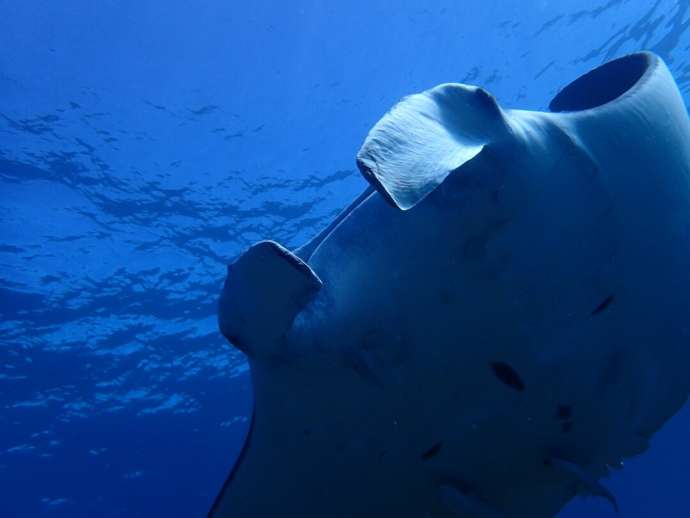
[587,481]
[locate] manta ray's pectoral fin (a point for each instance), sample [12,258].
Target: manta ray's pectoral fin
[265,289]
[425,137]
[583,478]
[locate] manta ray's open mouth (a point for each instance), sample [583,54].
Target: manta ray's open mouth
[604,84]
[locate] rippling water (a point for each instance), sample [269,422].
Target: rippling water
[143,145]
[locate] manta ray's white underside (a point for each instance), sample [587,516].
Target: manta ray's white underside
[491,327]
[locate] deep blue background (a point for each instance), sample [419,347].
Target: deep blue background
[143,144]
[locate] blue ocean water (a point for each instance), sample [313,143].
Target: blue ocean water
[143,145]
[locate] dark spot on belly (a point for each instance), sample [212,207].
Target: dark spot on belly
[566,426]
[564,412]
[508,375]
[433,451]
[603,305]
[306,432]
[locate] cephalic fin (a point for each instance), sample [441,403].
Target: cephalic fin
[265,289]
[427,136]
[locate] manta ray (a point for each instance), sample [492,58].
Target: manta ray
[491,327]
